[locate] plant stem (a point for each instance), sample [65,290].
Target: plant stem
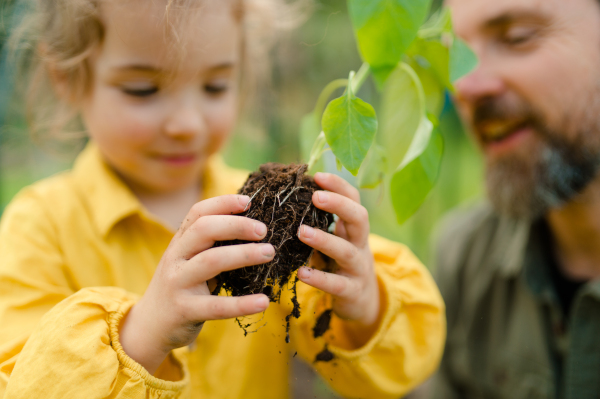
[317,150]
[360,77]
[417,82]
[326,93]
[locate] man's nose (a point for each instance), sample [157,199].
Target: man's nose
[186,119]
[480,83]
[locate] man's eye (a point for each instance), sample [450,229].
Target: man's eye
[140,92]
[518,35]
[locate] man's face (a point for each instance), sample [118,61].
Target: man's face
[533,102]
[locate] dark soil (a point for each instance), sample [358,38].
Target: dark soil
[324,356]
[322,324]
[281,198]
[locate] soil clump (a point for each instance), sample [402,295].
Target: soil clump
[281,198]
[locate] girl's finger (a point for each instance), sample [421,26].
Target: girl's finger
[340,230]
[336,184]
[222,205]
[353,214]
[343,252]
[330,283]
[211,262]
[203,233]
[208,307]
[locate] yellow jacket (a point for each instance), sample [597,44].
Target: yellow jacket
[78,249]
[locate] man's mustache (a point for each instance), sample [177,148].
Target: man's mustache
[496,109]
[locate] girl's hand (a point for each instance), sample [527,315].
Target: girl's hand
[178,301]
[353,284]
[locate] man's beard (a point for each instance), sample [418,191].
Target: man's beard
[553,173]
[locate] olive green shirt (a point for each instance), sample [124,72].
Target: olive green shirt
[507,333]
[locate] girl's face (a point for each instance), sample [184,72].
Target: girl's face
[163,100]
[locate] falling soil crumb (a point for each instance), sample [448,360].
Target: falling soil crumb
[322,324]
[324,356]
[281,198]
[295,353]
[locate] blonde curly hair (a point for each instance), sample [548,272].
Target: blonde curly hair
[58,37]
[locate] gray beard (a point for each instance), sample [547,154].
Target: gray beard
[528,188]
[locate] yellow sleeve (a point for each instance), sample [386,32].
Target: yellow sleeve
[408,344]
[57,341]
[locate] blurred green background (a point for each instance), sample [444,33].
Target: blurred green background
[308,58]
[323,49]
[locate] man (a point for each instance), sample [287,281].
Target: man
[521,276]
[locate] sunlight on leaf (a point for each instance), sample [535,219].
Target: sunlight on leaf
[402,107]
[418,172]
[374,168]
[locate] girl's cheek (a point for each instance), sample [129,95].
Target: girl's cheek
[120,120]
[141,123]
[222,121]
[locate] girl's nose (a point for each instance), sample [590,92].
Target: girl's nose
[186,120]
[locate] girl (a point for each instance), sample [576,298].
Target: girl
[104,269]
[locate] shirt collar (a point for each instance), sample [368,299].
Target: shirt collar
[510,244]
[520,248]
[110,200]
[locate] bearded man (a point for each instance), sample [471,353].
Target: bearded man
[521,273]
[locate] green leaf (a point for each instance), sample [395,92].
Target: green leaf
[462,59]
[418,172]
[385,29]
[309,130]
[402,107]
[432,88]
[374,168]
[349,125]
[439,22]
[433,56]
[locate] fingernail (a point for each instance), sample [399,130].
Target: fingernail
[261,303]
[307,231]
[244,199]
[323,196]
[260,229]
[268,250]
[304,272]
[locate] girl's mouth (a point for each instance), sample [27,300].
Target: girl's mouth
[177,159]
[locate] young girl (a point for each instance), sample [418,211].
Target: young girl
[104,269]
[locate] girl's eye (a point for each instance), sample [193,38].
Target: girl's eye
[216,88]
[140,91]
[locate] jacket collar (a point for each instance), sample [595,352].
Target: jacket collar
[110,200]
